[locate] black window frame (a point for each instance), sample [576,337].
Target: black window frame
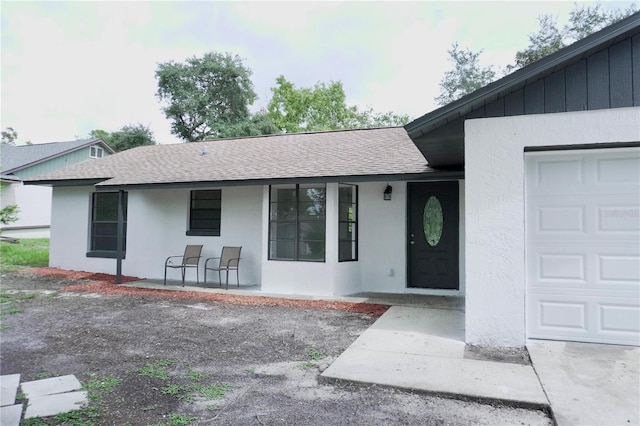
[297,221]
[350,224]
[108,227]
[215,212]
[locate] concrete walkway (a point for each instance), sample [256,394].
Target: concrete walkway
[47,397]
[423,349]
[589,384]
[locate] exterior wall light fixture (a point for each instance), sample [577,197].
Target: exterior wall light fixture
[387,193]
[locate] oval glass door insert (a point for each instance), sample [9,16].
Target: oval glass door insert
[432,221]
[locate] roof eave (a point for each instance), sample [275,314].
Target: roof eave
[428,175]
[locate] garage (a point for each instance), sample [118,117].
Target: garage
[582,213]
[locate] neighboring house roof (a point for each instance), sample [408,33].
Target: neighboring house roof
[15,158]
[439,134]
[384,152]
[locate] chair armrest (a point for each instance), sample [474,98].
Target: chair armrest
[193,257]
[208,259]
[166,262]
[230,260]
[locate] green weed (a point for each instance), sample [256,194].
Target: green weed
[250,371]
[213,391]
[314,355]
[196,376]
[176,419]
[157,369]
[96,386]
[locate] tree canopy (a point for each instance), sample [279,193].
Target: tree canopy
[205,96]
[467,76]
[583,21]
[129,136]
[9,136]
[321,107]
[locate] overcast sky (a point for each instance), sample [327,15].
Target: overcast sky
[70,67]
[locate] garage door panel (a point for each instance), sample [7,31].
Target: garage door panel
[567,317]
[583,245]
[616,267]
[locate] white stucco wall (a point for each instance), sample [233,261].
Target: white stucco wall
[35,208]
[157,222]
[495,218]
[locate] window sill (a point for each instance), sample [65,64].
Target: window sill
[105,254]
[203,233]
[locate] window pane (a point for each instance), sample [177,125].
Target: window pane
[206,211]
[347,250]
[283,231]
[283,193]
[310,210]
[281,250]
[283,211]
[347,194]
[105,206]
[311,240]
[347,231]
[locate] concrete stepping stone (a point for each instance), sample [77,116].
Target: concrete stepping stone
[51,405]
[10,415]
[51,386]
[8,389]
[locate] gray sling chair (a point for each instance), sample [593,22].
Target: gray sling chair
[229,261]
[190,259]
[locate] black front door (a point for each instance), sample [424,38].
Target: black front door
[433,235]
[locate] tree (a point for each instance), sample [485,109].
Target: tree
[258,124]
[129,136]
[583,21]
[322,107]
[9,214]
[205,95]
[9,136]
[466,76]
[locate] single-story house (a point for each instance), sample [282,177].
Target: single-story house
[523,197]
[27,161]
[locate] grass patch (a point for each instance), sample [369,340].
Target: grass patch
[314,355]
[27,253]
[176,419]
[196,376]
[213,391]
[97,386]
[9,304]
[157,369]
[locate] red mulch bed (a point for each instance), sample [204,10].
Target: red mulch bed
[105,284]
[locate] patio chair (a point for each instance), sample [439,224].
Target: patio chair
[190,259]
[229,261]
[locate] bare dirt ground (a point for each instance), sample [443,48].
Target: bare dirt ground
[154,360]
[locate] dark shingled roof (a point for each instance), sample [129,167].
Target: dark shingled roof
[383,151]
[15,158]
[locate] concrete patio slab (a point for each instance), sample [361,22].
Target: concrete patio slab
[50,386]
[8,389]
[589,383]
[10,415]
[423,349]
[51,405]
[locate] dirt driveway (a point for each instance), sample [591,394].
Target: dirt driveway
[150,360]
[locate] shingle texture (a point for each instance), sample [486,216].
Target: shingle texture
[300,155]
[17,157]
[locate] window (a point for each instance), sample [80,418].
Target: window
[297,222]
[205,212]
[347,223]
[96,152]
[104,224]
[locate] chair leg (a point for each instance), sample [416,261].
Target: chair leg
[184,270]
[197,276]
[220,279]
[165,275]
[238,277]
[227,282]
[205,277]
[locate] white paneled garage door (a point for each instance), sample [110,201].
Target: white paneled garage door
[583,245]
